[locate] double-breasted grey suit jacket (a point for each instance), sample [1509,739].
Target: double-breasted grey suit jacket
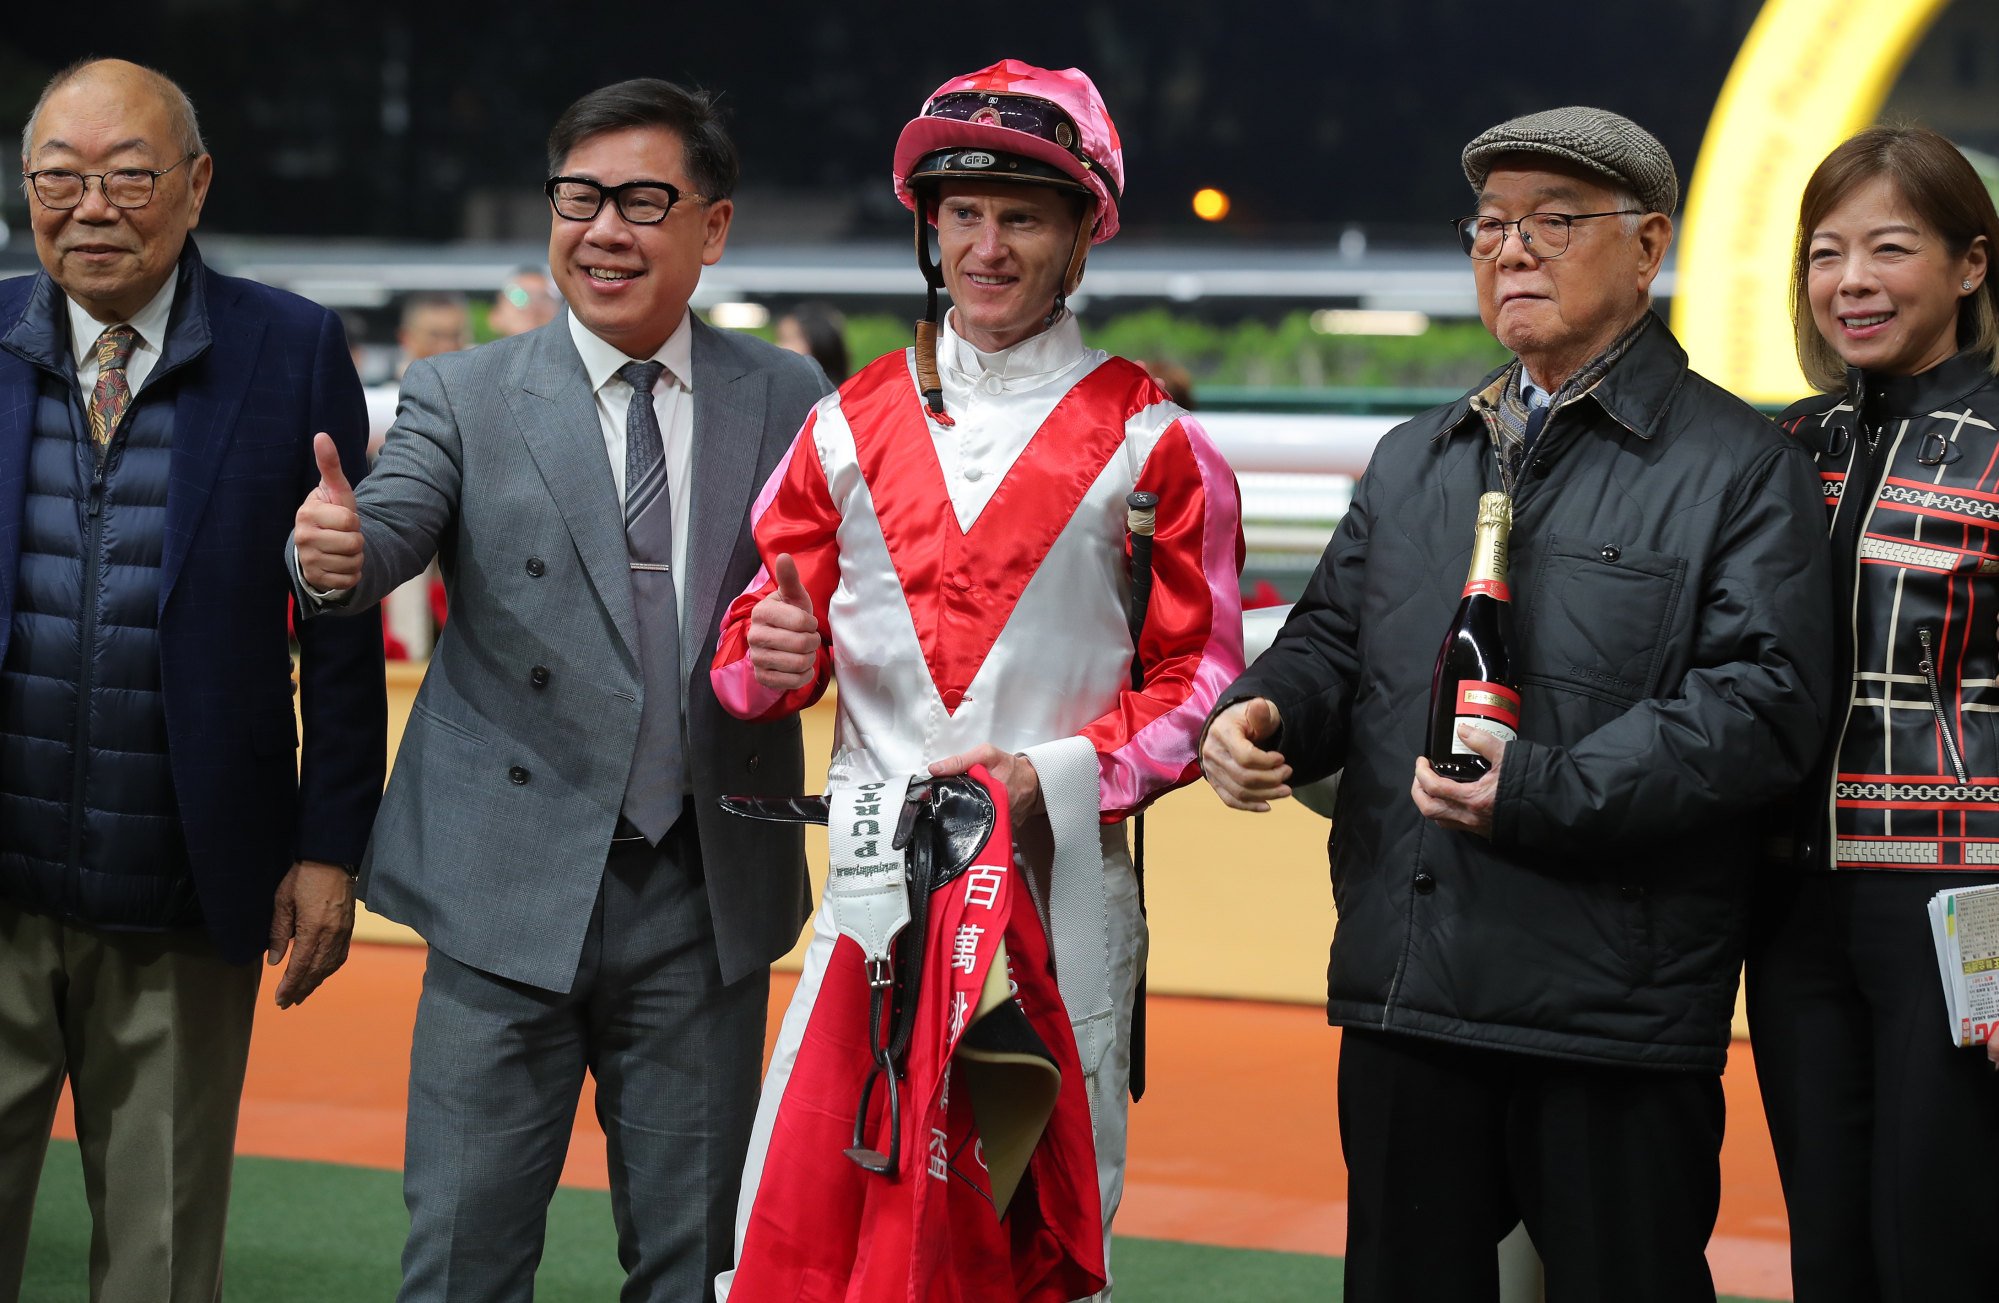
[493,832]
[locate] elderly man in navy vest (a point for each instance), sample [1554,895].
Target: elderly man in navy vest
[158,832]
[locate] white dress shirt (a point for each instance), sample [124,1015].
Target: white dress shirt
[672,405]
[151,324]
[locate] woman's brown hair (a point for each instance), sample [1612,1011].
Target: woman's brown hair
[1944,192]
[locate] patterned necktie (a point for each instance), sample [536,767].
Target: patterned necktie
[1536,418]
[654,791]
[111,396]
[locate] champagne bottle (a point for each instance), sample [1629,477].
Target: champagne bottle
[1473,683]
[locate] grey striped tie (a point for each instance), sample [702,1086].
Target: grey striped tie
[654,791]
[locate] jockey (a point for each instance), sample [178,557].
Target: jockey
[947,539]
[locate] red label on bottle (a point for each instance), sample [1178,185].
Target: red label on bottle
[1489,587]
[1493,701]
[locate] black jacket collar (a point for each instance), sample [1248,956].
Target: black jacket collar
[1944,386]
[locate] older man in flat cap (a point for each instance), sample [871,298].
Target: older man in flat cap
[1535,968]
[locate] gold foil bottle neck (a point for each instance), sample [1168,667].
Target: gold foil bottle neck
[1489,545]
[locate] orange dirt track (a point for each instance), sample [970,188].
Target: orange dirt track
[1234,1145]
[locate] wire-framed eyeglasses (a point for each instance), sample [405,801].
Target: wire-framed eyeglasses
[61,188]
[1545,235]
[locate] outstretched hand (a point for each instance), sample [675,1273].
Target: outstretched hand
[784,632]
[327,529]
[1243,774]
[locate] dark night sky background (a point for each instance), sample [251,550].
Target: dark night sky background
[428,121]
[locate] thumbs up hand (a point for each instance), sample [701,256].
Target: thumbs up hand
[327,529]
[1234,762]
[1259,719]
[784,633]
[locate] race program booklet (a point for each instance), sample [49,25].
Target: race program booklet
[1964,923]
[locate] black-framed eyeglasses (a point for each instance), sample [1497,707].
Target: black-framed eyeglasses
[123,187]
[642,203]
[1545,235]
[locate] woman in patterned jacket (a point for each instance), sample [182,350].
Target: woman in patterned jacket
[1885,1131]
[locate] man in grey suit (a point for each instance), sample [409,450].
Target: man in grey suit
[550,827]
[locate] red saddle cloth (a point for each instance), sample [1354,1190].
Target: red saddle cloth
[823,1230]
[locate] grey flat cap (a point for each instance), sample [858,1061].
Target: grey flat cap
[1602,141]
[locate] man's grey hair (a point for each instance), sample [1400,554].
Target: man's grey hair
[1628,203]
[1626,200]
[180,109]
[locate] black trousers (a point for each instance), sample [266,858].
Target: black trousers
[1616,1172]
[1887,1135]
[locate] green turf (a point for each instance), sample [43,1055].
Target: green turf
[317,1233]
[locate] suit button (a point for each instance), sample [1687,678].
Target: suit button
[536,568]
[1425,884]
[953,698]
[1542,468]
[538,676]
[518,775]
[753,763]
[1610,552]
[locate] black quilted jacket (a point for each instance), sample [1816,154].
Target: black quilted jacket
[1671,595]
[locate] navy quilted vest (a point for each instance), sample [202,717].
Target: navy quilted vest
[88,826]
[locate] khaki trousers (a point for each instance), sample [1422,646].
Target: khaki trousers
[152,1031]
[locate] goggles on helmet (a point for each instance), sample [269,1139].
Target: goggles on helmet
[1028,114]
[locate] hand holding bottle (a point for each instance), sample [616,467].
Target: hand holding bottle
[1455,804]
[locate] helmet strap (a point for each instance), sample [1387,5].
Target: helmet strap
[927,378]
[1073,277]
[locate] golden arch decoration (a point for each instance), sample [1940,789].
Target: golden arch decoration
[1810,74]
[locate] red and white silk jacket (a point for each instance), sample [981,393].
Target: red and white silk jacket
[971,579]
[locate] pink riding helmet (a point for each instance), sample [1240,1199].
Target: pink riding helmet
[1016,122]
